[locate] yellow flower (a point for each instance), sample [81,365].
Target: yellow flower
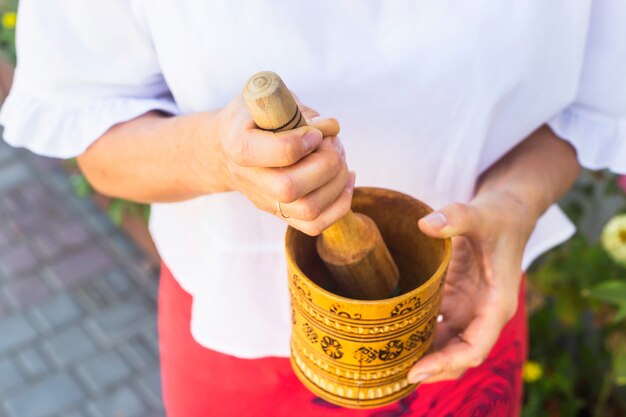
[614,238]
[9,19]
[532,371]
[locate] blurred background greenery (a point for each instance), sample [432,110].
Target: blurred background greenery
[576,292]
[577,309]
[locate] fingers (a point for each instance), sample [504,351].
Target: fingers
[328,126]
[304,169]
[298,180]
[311,205]
[259,148]
[465,351]
[334,212]
[453,220]
[291,183]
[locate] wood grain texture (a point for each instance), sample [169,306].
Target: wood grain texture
[353,248]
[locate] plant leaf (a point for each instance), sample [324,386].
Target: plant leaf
[619,368]
[80,185]
[613,292]
[116,211]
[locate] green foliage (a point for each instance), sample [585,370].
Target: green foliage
[81,186]
[613,292]
[8,9]
[578,314]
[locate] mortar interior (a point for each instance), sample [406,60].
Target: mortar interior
[417,256]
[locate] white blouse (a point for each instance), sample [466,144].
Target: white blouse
[429,94]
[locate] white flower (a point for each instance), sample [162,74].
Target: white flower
[614,238]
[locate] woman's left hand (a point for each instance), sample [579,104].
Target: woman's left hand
[481,291]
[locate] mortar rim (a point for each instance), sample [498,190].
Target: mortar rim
[439,272]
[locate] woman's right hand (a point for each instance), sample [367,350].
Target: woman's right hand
[304,170]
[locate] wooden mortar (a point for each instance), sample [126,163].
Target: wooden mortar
[357,353]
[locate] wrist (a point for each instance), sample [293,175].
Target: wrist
[529,199]
[207,166]
[515,211]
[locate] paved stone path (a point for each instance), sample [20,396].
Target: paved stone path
[77,303]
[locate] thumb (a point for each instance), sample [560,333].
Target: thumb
[453,220]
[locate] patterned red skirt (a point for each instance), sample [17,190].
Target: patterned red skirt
[198,382]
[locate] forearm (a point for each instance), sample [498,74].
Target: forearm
[536,173]
[157,158]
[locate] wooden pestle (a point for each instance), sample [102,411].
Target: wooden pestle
[352,248]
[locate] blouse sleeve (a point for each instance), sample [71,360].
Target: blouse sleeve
[83,66]
[595,123]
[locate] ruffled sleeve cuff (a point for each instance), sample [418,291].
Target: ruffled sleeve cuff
[600,141]
[67,129]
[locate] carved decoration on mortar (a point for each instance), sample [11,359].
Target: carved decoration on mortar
[406,306]
[302,288]
[341,311]
[310,333]
[331,347]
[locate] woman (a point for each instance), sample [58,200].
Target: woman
[461,105]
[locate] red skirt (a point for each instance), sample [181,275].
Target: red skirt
[199,382]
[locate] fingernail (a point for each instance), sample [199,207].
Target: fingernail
[436,220]
[315,119]
[417,378]
[311,139]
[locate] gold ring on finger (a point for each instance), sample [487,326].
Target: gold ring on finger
[280,210]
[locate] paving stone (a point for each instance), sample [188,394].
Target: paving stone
[151,384]
[12,175]
[9,375]
[17,260]
[152,339]
[101,223]
[6,152]
[45,164]
[121,403]
[72,233]
[80,265]
[124,246]
[104,369]
[31,361]
[4,240]
[74,413]
[58,311]
[137,352]
[16,330]
[28,222]
[27,290]
[45,398]
[47,246]
[91,296]
[33,193]
[56,210]
[104,287]
[14,233]
[61,185]
[100,330]
[122,320]
[8,205]
[69,345]
[120,282]
[156,414]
